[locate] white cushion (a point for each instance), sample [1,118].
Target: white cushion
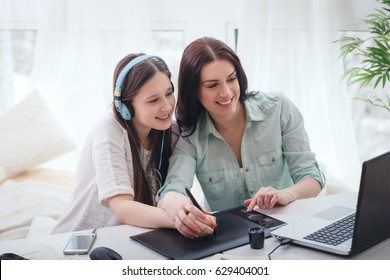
[30,136]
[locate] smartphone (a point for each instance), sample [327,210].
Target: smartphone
[79,244]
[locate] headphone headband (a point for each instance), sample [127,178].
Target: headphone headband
[120,107]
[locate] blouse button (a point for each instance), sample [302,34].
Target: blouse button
[247,169]
[273,159]
[210,180]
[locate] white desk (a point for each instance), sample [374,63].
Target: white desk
[51,247]
[295,211]
[117,238]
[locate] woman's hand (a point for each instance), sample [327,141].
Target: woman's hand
[189,220]
[269,197]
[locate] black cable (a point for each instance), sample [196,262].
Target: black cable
[283,241]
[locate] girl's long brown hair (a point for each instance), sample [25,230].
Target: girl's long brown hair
[133,81]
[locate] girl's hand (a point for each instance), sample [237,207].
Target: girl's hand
[189,220]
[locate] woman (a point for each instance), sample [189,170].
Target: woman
[246,148]
[125,159]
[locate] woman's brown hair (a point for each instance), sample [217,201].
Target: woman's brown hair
[195,56]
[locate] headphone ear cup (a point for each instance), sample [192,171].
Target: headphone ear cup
[125,112]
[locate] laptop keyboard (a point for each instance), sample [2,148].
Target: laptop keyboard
[335,233]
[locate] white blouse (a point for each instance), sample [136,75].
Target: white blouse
[105,169]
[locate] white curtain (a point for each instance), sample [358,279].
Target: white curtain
[287,46]
[76,53]
[78,44]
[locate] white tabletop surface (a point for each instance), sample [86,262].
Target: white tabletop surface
[117,238]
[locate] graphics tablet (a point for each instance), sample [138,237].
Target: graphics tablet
[231,232]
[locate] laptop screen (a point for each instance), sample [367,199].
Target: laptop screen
[372,216]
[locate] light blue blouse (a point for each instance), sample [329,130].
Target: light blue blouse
[275,152]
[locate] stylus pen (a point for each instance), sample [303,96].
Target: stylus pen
[193,200]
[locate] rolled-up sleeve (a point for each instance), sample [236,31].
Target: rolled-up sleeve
[296,147]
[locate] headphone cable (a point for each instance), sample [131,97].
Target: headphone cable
[158,178]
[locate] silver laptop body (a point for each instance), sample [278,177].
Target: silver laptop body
[371,224]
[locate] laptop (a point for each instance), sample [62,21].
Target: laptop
[231,232]
[345,230]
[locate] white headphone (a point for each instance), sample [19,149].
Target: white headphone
[122,108]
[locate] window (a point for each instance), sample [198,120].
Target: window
[370,123]
[17,51]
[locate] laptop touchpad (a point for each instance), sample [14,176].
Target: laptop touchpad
[334,213]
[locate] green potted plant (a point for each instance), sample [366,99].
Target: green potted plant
[373,53]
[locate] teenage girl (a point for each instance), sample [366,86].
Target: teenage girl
[124,161]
